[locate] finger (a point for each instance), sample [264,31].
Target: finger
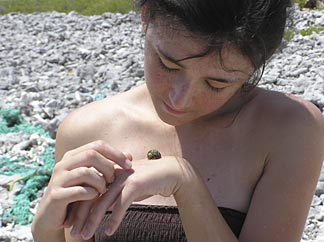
[73,194]
[121,205]
[91,158]
[85,175]
[102,204]
[96,215]
[128,155]
[80,216]
[71,211]
[107,151]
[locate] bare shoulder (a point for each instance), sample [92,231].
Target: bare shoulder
[293,130]
[287,113]
[98,120]
[294,127]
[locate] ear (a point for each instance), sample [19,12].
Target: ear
[144,17]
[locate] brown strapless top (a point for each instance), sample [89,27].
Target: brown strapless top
[146,223]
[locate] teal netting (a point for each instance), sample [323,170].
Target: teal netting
[11,122]
[33,177]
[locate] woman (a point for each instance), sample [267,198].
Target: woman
[238,163]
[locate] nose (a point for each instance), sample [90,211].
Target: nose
[180,95]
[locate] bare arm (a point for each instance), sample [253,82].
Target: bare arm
[279,204]
[282,198]
[82,171]
[199,214]
[57,235]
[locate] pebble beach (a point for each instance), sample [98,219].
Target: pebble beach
[52,63]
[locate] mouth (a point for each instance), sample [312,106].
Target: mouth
[173,111]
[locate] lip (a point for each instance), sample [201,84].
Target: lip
[173,111]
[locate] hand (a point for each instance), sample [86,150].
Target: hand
[81,175]
[146,178]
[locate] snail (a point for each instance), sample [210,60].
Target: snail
[153,155]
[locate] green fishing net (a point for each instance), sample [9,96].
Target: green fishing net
[33,177]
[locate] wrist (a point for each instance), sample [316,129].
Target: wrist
[188,179]
[42,234]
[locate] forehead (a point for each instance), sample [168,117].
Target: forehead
[170,35]
[181,44]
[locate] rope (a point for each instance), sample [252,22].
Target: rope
[34,177]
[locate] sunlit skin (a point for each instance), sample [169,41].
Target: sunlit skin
[195,87]
[220,148]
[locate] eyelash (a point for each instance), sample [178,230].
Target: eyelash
[215,89]
[169,70]
[165,68]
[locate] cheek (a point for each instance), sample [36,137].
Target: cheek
[209,101]
[155,77]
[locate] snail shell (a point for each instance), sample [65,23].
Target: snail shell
[153,155]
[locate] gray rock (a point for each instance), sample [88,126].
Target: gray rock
[316,201]
[319,188]
[4,84]
[24,145]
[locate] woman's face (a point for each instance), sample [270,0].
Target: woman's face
[187,90]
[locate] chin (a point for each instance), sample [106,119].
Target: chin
[173,121]
[171,118]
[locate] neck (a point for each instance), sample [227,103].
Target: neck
[236,103]
[225,117]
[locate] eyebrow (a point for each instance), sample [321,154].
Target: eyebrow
[169,58]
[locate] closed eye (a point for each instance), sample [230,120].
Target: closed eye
[213,88]
[165,67]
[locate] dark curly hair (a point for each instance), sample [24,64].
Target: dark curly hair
[255,27]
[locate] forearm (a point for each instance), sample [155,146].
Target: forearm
[48,236]
[201,219]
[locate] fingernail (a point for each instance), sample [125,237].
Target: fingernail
[86,234]
[128,163]
[74,231]
[109,231]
